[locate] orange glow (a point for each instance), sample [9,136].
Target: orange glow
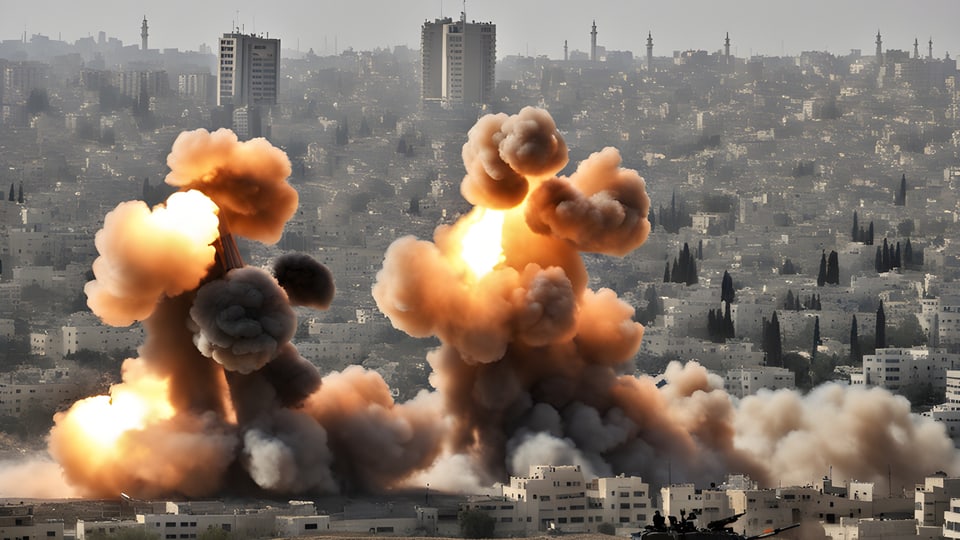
[100,421]
[482,242]
[190,213]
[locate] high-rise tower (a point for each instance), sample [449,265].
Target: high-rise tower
[458,61]
[930,49]
[249,70]
[143,34]
[593,42]
[566,55]
[649,51]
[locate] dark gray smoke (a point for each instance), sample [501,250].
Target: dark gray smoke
[307,282]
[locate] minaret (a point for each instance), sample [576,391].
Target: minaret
[930,49]
[566,56]
[143,35]
[726,49]
[649,51]
[879,49]
[593,42]
[916,49]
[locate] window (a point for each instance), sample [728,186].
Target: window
[309,526]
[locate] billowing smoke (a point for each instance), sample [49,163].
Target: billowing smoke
[219,399]
[533,367]
[306,280]
[145,254]
[533,364]
[248,180]
[503,153]
[242,320]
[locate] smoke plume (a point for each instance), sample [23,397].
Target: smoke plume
[307,281]
[248,180]
[534,366]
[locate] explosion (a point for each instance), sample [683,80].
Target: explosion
[533,365]
[482,247]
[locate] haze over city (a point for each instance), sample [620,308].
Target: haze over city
[521,270]
[529,27]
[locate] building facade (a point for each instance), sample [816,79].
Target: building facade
[458,62]
[249,72]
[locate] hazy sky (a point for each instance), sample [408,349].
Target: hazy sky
[536,27]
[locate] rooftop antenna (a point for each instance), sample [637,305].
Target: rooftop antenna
[463,14]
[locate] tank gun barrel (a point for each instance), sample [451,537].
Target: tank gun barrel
[719,524]
[774,532]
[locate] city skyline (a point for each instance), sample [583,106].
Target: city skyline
[331,27]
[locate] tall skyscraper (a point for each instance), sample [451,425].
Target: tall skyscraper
[458,61]
[249,70]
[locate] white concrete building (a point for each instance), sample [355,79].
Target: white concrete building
[895,368]
[249,70]
[747,380]
[16,521]
[933,498]
[558,497]
[458,61]
[85,332]
[871,529]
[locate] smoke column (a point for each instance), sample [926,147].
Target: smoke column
[532,368]
[532,365]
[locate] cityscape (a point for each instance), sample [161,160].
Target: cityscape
[254,291]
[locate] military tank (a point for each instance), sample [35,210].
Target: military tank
[685,529]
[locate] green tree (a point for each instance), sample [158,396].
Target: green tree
[772,341]
[727,292]
[856,356]
[822,275]
[833,269]
[855,230]
[881,329]
[476,524]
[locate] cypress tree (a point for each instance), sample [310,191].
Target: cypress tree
[772,343]
[675,272]
[822,275]
[728,331]
[666,272]
[651,219]
[870,234]
[853,231]
[726,288]
[11,197]
[856,356]
[881,331]
[788,303]
[692,273]
[896,257]
[20,194]
[816,339]
[901,199]
[878,262]
[885,261]
[908,254]
[833,269]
